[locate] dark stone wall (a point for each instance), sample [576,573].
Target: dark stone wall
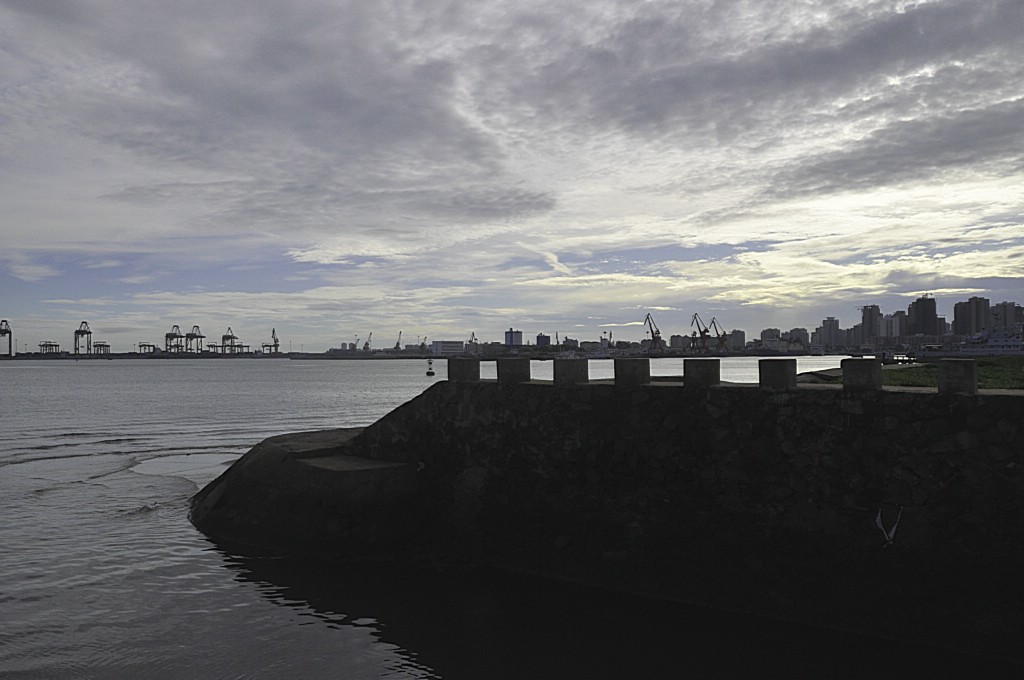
[731,496]
[736,497]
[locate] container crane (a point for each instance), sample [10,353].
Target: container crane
[194,340]
[272,346]
[83,332]
[173,339]
[720,335]
[702,328]
[5,332]
[657,344]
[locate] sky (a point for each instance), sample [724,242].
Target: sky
[330,169]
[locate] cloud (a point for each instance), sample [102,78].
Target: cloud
[459,165]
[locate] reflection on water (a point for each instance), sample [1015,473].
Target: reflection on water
[465,622]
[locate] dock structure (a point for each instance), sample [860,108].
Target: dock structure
[146,347]
[174,340]
[230,343]
[274,346]
[6,334]
[194,340]
[101,347]
[49,347]
[83,339]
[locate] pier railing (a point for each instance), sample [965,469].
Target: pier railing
[955,376]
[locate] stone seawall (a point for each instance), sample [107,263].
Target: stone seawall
[763,500]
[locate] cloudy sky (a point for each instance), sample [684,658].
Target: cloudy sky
[331,168]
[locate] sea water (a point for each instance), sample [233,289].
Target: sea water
[102,575]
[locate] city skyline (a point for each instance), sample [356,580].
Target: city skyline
[634,333]
[335,169]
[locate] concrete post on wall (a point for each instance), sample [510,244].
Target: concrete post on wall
[777,375]
[860,375]
[701,373]
[958,376]
[632,372]
[572,371]
[463,370]
[513,370]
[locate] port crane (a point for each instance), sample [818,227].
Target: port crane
[274,344]
[194,340]
[366,345]
[83,332]
[720,335]
[173,339]
[702,328]
[5,332]
[657,344]
[398,343]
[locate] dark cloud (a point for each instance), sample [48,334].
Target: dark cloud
[988,140]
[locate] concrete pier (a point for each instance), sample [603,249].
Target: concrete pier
[777,375]
[861,374]
[571,372]
[632,372]
[958,376]
[701,373]
[514,370]
[464,370]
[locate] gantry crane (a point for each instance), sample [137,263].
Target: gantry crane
[173,340]
[273,346]
[657,344]
[194,340]
[720,335]
[229,343]
[83,332]
[702,328]
[5,332]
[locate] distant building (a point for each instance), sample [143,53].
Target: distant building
[737,341]
[971,317]
[445,348]
[678,341]
[1006,315]
[513,338]
[870,325]
[894,325]
[543,340]
[922,318]
[798,338]
[828,333]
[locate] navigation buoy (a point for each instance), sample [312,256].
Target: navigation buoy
[430,367]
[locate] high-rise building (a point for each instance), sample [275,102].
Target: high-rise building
[870,324]
[543,340]
[894,325]
[798,336]
[922,318]
[972,316]
[737,340]
[828,333]
[1006,315]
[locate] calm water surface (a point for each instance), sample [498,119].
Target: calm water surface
[102,576]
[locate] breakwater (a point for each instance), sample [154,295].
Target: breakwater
[899,512]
